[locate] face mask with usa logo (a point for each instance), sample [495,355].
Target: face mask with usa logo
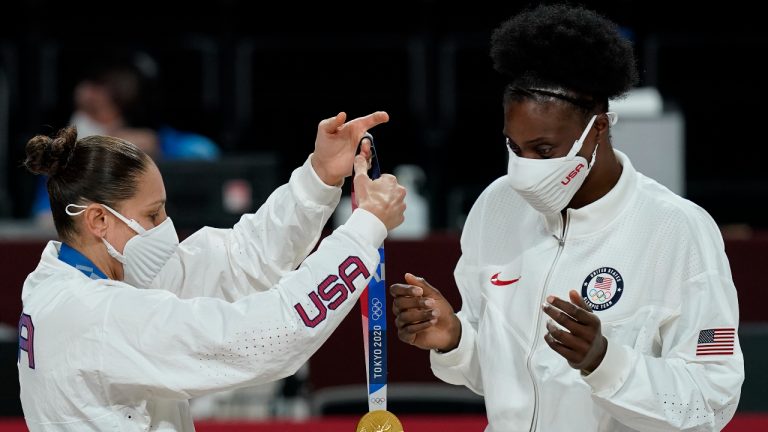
[548,185]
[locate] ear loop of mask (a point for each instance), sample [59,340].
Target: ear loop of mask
[612,119]
[110,249]
[130,222]
[75,213]
[577,145]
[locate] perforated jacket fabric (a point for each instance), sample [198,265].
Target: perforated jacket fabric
[653,266]
[230,309]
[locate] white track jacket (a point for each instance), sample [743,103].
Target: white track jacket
[653,267]
[229,310]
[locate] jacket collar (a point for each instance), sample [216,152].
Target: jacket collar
[50,266]
[595,216]
[73,257]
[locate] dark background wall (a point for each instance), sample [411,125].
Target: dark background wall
[258,76]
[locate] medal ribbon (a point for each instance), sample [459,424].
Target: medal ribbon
[373,310]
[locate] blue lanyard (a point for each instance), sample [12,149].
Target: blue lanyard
[79,261]
[373,305]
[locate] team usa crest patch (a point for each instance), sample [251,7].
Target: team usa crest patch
[602,288]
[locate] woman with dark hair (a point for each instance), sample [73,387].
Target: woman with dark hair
[593,298]
[122,324]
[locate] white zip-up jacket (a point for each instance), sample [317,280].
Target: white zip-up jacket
[654,267]
[228,311]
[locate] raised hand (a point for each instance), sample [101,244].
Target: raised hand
[336,145]
[383,197]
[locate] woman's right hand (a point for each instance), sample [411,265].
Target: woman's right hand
[424,317]
[383,197]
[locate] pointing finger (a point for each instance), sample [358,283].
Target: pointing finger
[361,167]
[370,120]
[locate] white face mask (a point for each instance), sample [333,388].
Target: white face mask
[145,254]
[548,185]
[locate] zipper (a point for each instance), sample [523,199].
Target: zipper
[560,246]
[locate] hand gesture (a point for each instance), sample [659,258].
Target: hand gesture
[424,317]
[580,341]
[336,145]
[383,197]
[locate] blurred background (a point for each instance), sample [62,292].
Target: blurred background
[227,95]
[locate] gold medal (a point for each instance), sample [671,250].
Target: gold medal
[379,421]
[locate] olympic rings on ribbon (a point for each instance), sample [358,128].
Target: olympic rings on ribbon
[376,308]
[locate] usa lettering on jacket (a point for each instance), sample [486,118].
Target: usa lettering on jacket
[332,292]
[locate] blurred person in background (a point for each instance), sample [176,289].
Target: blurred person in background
[110,102]
[114,100]
[122,324]
[593,298]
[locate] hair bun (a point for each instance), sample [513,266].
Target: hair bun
[49,156]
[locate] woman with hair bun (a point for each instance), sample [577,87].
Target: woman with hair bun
[122,324]
[593,298]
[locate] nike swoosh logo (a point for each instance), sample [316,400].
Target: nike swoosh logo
[496,281]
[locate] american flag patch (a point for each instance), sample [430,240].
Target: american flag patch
[717,341]
[603,282]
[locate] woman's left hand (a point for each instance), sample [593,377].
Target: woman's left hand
[580,340]
[336,145]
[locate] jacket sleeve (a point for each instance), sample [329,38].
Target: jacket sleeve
[461,365]
[260,248]
[685,388]
[157,345]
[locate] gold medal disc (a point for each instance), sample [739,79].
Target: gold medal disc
[379,421]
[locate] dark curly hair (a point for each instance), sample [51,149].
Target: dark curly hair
[565,52]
